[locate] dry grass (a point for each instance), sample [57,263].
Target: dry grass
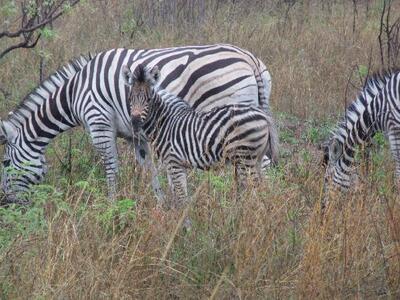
[272,243]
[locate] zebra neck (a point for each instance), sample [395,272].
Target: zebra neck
[359,126]
[165,110]
[45,114]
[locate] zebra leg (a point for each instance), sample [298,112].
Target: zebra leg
[240,179]
[248,172]
[178,184]
[141,150]
[104,140]
[177,178]
[144,157]
[394,142]
[155,183]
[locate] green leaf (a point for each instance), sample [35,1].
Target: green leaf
[67,8]
[363,70]
[48,33]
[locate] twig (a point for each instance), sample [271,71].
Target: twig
[380,33]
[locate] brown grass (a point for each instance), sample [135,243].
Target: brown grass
[270,245]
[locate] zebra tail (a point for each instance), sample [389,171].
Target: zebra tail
[273,142]
[263,78]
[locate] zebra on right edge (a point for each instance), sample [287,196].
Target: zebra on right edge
[185,138]
[377,108]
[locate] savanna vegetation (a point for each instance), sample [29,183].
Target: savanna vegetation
[272,243]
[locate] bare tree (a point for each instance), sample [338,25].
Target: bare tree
[389,36]
[34,16]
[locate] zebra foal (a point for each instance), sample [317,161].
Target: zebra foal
[185,138]
[376,109]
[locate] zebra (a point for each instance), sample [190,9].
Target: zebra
[90,92]
[184,138]
[376,109]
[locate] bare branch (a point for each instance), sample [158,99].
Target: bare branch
[24,44]
[43,15]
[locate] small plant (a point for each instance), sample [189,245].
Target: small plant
[16,220]
[315,132]
[118,215]
[287,136]
[219,183]
[380,139]
[363,71]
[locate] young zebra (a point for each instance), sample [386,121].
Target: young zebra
[185,138]
[377,108]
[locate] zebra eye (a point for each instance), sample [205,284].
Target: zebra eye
[336,150]
[6,163]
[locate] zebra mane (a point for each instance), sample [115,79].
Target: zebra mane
[49,85]
[373,85]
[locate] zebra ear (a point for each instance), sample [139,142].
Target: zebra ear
[127,75]
[6,132]
[155,73]
[3,136]
[335,150]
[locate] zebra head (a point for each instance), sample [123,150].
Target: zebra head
[337,163]
[22,164]
[141,84]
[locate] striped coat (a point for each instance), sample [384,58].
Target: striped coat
[185,138]
[376,109]
[91,92]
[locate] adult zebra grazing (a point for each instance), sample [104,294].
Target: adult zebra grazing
[91,92]
[377,108]
[185,138]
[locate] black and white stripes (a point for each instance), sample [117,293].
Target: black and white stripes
[42,115]
[91,92]
[377,108]
[185,138]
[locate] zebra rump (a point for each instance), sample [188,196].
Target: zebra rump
[184,138]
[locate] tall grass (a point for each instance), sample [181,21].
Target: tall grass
[272,243]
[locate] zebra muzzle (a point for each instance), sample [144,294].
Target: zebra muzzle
[136,122]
